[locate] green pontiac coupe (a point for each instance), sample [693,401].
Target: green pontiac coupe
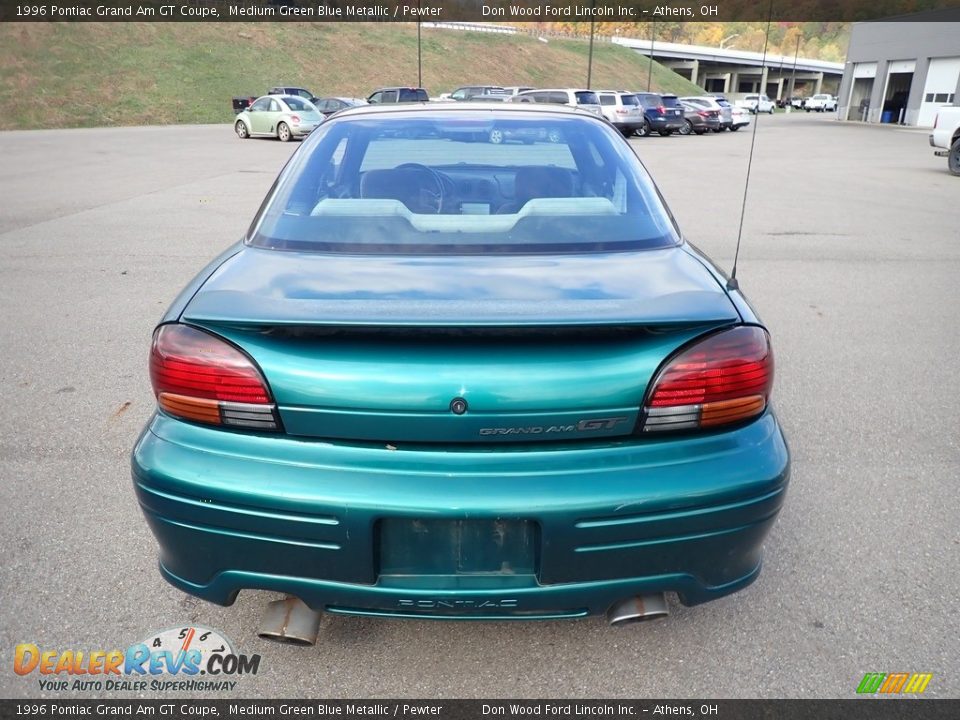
[441,378]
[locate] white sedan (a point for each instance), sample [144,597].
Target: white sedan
[739,117]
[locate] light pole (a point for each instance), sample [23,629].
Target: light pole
[793,75]
[653,33]
[590,52]
[419,54]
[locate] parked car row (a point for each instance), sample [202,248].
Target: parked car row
[821,102]
[287,112]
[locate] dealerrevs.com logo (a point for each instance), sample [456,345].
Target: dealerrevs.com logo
[169,660]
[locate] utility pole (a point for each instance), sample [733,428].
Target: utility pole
[419,53]
[590,52]
[793,76]
[653,33]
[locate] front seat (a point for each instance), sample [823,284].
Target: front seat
[538,182]
[403,184]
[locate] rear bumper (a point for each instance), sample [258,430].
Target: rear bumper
[940,149]
[233,512]
[662,123]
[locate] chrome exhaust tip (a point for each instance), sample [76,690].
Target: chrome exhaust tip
[638,608]
[290,621]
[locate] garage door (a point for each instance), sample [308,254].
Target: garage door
[942,76]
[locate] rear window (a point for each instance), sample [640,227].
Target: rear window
[629,100]
[585,97]
[413,95]
[299,104]
[671,101]
[651,100]
[470,182]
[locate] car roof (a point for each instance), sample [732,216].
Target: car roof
[429,108]
[573,89]
[397,87]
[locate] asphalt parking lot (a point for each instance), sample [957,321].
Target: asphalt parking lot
[851,254]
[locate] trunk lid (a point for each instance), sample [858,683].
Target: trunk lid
[460,349]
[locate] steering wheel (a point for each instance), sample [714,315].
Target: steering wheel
[432,201]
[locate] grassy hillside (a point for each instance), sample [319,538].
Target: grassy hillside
[90,74]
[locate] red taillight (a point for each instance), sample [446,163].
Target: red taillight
[295,118]
[198,376]
[703,114]
[723,379]
[662,110]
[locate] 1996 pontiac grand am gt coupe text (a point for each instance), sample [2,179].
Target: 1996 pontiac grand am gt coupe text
[493,382]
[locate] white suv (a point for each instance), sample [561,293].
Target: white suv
[583,99]
[757,103]
[623,110]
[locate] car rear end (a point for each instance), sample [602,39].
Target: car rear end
[412,95]
[663,113]
[726,111]
[739,117]
[302,115]
[701,117]
[504,431]
[586,100]
[622,110]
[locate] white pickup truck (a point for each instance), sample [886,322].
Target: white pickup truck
[756,104]
[821,103]
[946,137]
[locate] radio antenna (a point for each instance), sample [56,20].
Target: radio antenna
[732,283]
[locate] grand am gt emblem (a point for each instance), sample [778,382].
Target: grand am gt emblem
[583,426]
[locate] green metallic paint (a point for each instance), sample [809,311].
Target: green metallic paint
[616,517]
[397,389]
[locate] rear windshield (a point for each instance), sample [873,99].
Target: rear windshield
[671,101]
[464,182]
[299,104]
[629,100]
[651,100]
[587,98]
[413,95]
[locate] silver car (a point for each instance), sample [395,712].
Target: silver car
[711,103]
[280,116]
[623,110]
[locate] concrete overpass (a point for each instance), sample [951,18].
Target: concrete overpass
[738,72]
